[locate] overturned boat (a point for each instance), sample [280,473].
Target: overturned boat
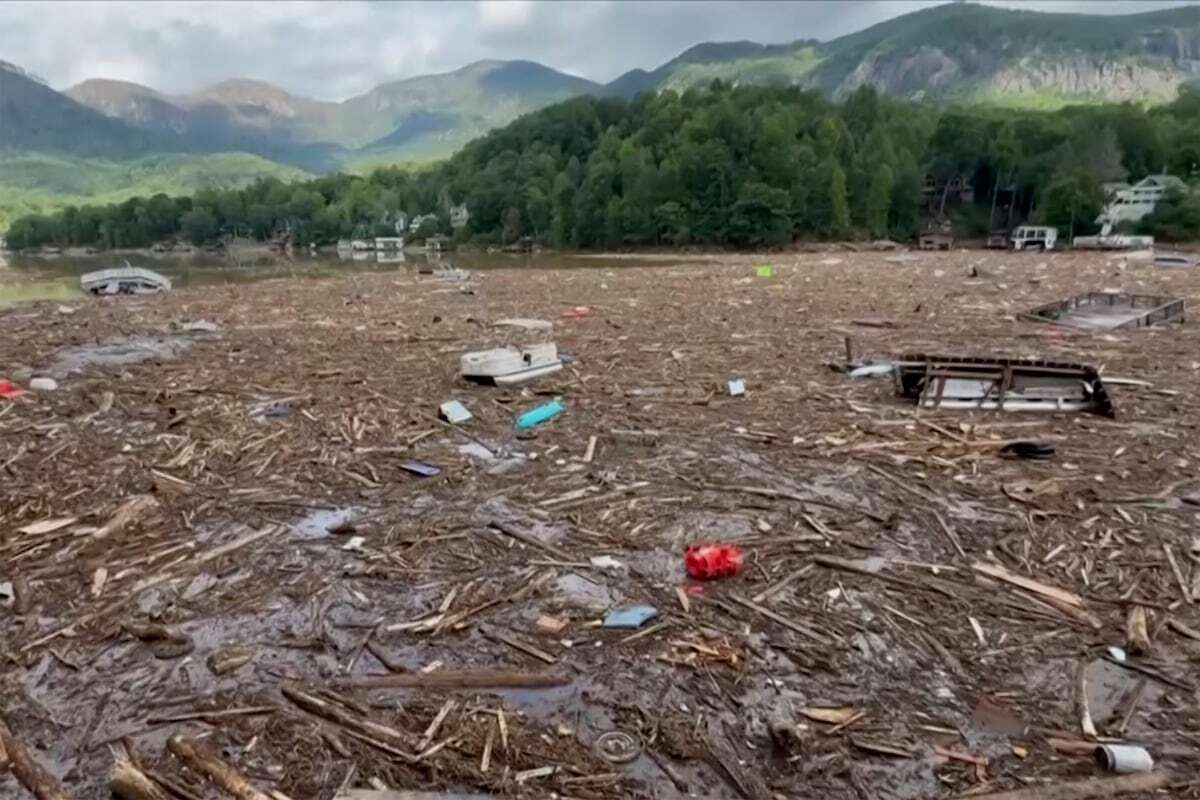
[1003,384]
[511,366]
[124,280]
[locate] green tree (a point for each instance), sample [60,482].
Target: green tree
[537,210]
[512,224]
[761,216]
[1176,218]
[1073,198]
[879,201]
[199,225]
[562,231]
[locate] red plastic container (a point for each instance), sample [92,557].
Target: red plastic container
[9,390]
[710,561]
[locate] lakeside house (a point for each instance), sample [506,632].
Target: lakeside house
[415,224]
[459,216]
[1128,203]
[389,243]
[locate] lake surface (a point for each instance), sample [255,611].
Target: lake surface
[31,278]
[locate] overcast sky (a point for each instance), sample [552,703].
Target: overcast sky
[334,50]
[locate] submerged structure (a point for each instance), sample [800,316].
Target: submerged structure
[1001,384]
[1108,310]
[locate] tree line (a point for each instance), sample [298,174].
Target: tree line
[740,166]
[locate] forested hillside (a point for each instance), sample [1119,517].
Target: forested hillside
[725,166]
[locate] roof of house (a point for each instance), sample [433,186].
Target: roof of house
[1168,181]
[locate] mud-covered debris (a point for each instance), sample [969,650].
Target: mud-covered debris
[618,747]
[229,659]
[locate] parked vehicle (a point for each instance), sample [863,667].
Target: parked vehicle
[1034,237]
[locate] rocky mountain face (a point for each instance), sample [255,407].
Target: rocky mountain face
[964,52]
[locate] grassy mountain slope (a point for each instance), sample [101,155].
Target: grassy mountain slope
[32,182]
[735,62]
[461,104]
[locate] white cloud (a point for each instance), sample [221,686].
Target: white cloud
[331,50]
[505,14]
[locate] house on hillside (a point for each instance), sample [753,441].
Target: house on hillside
[459,216]
[1130,203]
[415,224]
[400,223]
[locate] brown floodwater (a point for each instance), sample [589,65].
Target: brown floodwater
[29,278]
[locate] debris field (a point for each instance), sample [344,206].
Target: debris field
[246,558]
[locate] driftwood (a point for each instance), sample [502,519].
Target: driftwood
[36,779]
[202,761]
[1084,790]
[130,783]
[381,736]
[461,679]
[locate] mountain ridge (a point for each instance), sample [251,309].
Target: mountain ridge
[956,53]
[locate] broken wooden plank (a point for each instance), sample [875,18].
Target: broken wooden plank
[806,632]
[531,540]
[517,644]
[1184,589]
[47,526]
[1068,603]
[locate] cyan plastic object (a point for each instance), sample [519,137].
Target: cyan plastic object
[540,414]
[632,617]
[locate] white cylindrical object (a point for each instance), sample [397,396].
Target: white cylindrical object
[1124,758]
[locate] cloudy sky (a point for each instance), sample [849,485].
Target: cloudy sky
[334,50]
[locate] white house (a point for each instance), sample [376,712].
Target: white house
[415,224]
[1131,203]
[459,216]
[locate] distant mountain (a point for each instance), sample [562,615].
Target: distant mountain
[956,52]
[136,105]
[443,111]
[35,117]
[740,62]
[967,53]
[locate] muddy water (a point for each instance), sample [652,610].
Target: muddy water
[32,278]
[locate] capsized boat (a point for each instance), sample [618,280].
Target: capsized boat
[124,280]
[511,366]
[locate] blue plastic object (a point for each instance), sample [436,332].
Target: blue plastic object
[633,617]
[540,414]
